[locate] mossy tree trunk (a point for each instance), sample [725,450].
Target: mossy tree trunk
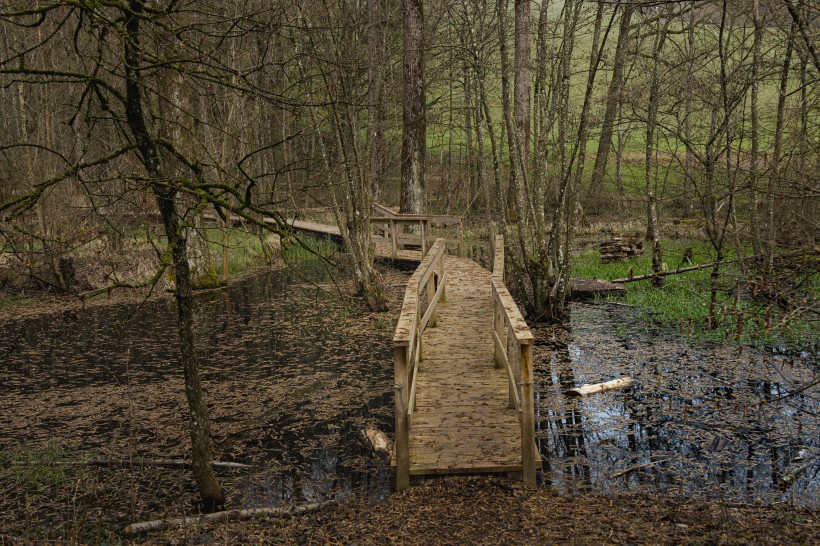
[162,186]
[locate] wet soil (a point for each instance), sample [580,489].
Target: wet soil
[292,372]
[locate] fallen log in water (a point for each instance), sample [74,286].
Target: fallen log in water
[219,517]
[377,442]
[581,289]
[594,388]
[795,471]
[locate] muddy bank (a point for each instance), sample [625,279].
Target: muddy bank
[291,370]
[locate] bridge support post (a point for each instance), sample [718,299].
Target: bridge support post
[431,293]
[423,236]
[402,394]
[527,415]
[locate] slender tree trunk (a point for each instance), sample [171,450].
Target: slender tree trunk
[652,227]
[210,491]
[777,152]
[414,139]
[755,137]
[375,96]
[468,134]
[613,97]
[688,180]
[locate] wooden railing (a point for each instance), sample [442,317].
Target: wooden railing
[407,347]
[513,352]
[390,228]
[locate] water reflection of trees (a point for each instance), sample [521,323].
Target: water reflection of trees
[710,420]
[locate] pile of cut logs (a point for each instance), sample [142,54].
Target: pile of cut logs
[621,248]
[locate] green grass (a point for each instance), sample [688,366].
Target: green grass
[307,247]
[683,300]
[244,250]
[12,301]
[35,469]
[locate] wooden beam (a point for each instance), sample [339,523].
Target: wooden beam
[402,393]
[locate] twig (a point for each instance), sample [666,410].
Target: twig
[808,253]
[634,468]
[170,463]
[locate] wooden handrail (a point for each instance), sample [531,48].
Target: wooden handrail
[414,218]
[392,223]
[498,257]
[513,351]
[407,347]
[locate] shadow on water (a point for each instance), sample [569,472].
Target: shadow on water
[293,373]
[717,420]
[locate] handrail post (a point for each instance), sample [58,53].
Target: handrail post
[431,293]
[441,278]
[460,238]
[527,414]
[402,394]
[512,343]
[393,239]
[498,327]
[423,239]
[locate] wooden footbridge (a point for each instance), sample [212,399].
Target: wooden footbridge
[462,373]
[462,350]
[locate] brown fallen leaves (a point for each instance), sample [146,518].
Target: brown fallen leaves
[486,510]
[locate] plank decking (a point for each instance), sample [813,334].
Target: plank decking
[462,371]
[461,421]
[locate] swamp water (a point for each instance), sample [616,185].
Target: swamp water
[292,374]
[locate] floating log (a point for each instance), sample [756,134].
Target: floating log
[594,388]
[219,517]
[377,442]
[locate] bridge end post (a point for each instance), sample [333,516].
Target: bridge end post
[527,415]
[402,395]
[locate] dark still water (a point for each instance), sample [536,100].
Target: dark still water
[727,422]
[293,372]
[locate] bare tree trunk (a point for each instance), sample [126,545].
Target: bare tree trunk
[468,133]
[755,137]
[777,152]
[652,227]
[512,207]
[375,96]
[613,97]
[210,491]
[688,182]
[414,139]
